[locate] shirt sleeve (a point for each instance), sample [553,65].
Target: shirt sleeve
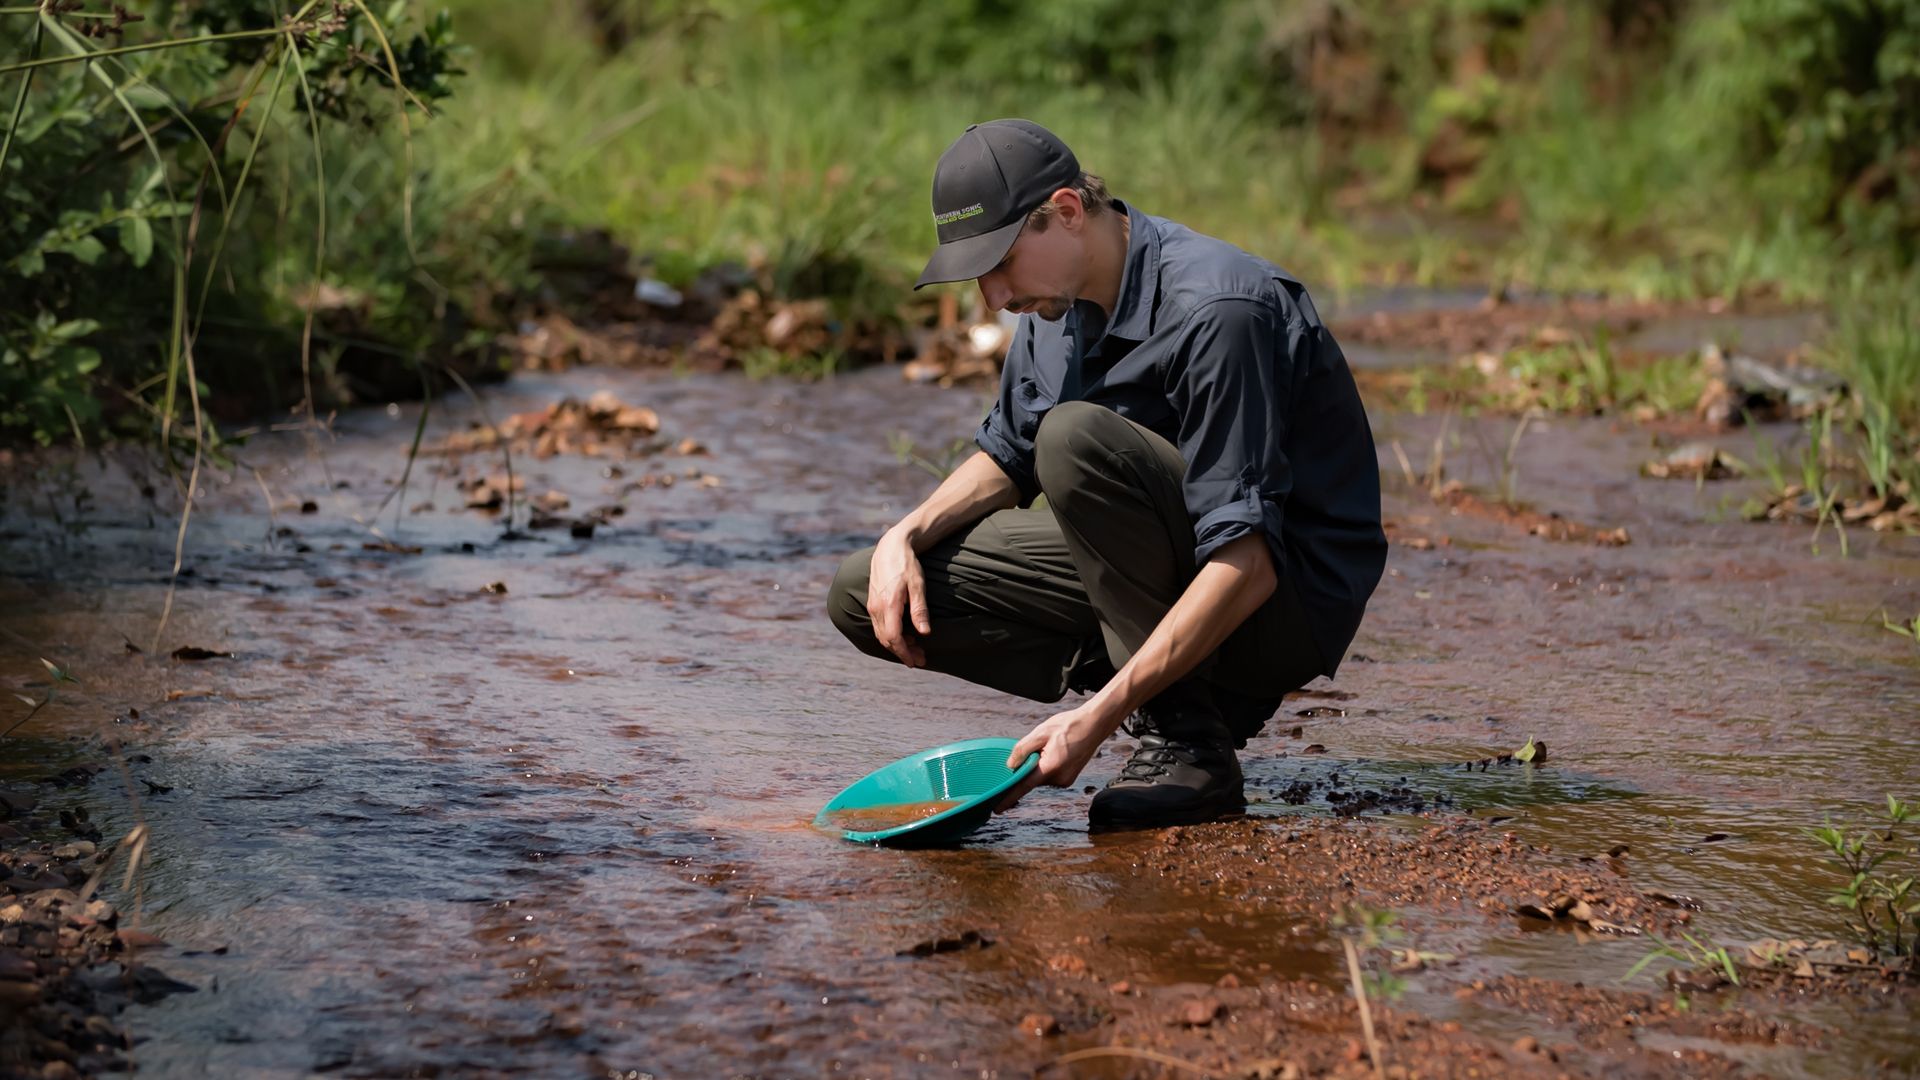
[1230,384]
[1007,433]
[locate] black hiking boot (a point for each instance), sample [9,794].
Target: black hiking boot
[1184,771]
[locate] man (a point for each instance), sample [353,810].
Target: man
[1211,527]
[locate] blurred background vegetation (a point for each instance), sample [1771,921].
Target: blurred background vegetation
[231,221]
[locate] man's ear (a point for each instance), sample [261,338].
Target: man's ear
[1067,207]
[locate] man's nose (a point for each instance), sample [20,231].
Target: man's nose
[994,292]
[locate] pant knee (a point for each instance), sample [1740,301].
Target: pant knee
[1069,440]
[847,596]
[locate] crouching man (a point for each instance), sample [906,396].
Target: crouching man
[1176,504]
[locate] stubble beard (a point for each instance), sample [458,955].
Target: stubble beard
[1050,308]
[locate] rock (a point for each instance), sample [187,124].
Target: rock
[58,1070]
[1355,1051]
[1694,461]
[18,994]
[14,965]
[101,912]
[1229,981]
[12,914]
[1067,964]
[1272,1069]
[144,984]
[1039,1024]
[1526,1044]
[1201,1012]
[138,939]
[968,939]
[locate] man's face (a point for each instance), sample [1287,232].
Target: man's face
[1044,272]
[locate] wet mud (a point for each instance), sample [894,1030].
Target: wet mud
[448,798]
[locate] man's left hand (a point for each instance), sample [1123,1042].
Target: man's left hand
[1066,742]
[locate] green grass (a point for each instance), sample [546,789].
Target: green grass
[733,139]
[699,151]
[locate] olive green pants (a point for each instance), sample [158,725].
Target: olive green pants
[1040,601]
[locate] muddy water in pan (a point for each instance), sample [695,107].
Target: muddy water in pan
[542,805]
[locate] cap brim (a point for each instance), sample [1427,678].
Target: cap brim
[969,258]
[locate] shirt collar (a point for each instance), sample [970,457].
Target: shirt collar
[1139,279]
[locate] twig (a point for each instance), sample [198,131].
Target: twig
[506,444]
[1366,1013]
[1406,466]
[22,722]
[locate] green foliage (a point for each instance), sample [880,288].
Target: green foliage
[137,239]
[1827,96]
[1114,44]
[1691,953]
[1878,901]
[906,451]
[43,378]
[1583,378]
[1644,149]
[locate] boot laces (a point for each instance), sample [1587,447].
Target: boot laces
[1151,761]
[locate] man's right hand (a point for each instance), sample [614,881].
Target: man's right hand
[897,593]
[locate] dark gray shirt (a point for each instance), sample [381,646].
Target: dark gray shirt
[1222,354]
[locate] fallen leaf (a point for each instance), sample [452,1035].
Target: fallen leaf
[1601,926]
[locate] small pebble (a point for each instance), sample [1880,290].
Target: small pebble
[1039,1024]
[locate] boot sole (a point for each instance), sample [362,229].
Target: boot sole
[1199,815]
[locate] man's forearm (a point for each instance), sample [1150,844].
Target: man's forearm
[977,488]
[1229,588]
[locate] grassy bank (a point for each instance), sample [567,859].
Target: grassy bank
[1652,151]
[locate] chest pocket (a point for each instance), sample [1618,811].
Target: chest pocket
[1034,401]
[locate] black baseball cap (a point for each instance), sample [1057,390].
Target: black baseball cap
[986,184]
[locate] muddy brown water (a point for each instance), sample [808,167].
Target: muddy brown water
[420,828]
[890,816]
